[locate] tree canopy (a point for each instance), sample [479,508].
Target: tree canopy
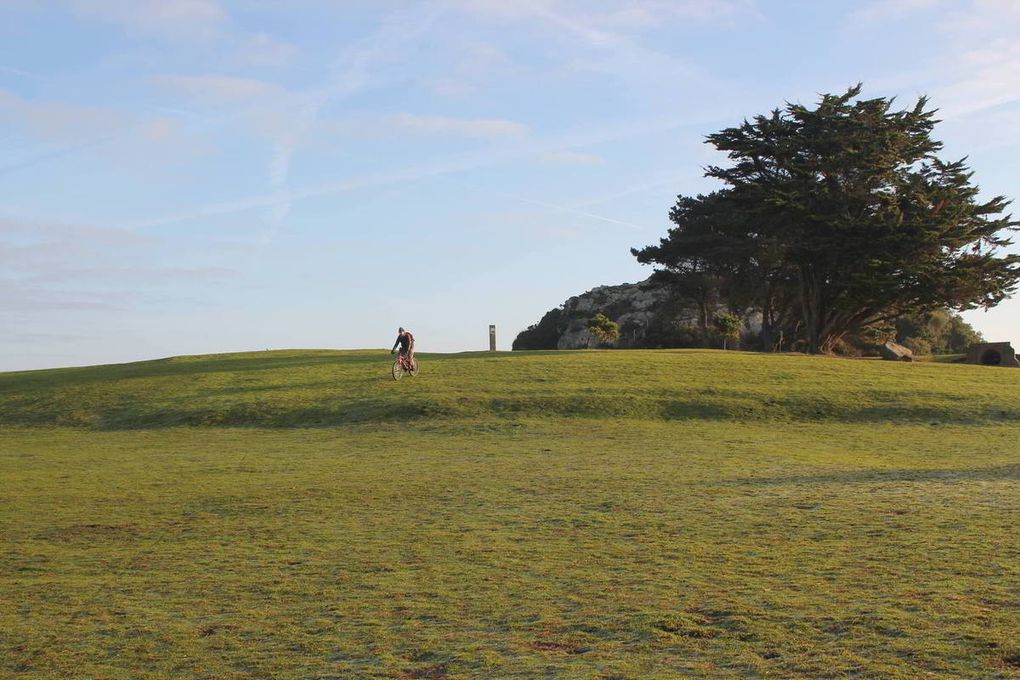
[837,217]
[603,328]
[727,326]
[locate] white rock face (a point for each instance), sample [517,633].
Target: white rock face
[632,305]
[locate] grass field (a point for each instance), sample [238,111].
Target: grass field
[646,514]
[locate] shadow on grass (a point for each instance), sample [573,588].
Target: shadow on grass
[268,415]
[299,405]
[985,474]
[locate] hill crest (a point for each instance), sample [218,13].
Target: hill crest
[323,388]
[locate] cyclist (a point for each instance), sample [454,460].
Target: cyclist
[406,341]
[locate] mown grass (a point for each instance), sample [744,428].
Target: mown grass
[324,388]
[506,517]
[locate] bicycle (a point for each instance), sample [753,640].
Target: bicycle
[404,364]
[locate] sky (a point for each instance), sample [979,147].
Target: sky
[198,176]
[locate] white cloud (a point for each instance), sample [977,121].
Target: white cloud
[205,22]
[475,65]
[58,121]
[645,13]
[977,19]
[219,89]
[456,127]
[25,231]
[16,72]
[891,10]
[18,298]
[611,15]
[486,158]
[572,158]
[973,61]
[52,266]
[986,77]
[169,19]
[978,67]
[353,70]
[603,37]
[56,129]
[262,49]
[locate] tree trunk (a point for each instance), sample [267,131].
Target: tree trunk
[828,344]
[767,329]
[811,304]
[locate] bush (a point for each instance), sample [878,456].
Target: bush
[916,345]
[543,335]
[938,332]
[603,328]
[727,327]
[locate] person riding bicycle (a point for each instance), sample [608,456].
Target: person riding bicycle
[406,342]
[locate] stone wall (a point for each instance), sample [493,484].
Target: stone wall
[992,354]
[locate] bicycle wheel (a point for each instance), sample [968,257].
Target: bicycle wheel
[415,367]
[398,370]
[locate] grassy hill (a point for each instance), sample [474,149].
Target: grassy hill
[328,388]
[582,515]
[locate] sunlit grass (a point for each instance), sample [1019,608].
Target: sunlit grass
[323,388]
[628,515]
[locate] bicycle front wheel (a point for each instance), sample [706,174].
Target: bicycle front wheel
[398,370]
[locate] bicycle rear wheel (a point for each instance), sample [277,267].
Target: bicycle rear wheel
[414,368]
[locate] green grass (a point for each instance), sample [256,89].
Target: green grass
[322,388]
[578,515]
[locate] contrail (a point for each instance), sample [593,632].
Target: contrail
[16,72]
[54,154]
[454,165]
[572,211]
[352,78]
[633,189]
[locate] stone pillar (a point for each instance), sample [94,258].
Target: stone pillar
[492,338]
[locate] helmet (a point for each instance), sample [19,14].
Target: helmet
[400,330]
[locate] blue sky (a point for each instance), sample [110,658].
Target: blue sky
[192,176]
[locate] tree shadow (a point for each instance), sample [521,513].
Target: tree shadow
[1009,472]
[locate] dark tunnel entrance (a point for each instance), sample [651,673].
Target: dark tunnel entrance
[991,358]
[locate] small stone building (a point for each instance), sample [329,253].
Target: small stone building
[992,354]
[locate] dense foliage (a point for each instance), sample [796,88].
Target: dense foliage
[727,326]
[602,328]
[835,219]
[936,332]
[543,335]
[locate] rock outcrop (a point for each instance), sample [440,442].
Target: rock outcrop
[648,312]
[628,304]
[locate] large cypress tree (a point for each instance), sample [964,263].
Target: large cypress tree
[844,215]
